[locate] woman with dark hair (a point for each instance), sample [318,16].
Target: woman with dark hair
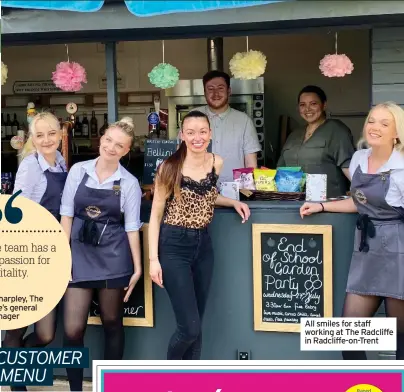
[323,146]
[180,248]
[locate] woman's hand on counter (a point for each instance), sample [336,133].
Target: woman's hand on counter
[310,208]
[243,210]
[156,273]
[345,206]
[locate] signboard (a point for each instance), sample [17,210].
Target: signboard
[155,152]
[120,82]
[138,311]
[292,275]
[36,87]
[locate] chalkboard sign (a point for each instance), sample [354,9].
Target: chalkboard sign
[138,311]
[155,152]
[292,275]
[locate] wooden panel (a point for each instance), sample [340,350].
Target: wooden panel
[388,52]
[389,92]
[388,73]
[388,34]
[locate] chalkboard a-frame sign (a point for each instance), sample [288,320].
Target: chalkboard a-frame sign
[292,273]
[138,311]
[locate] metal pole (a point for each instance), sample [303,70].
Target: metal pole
[112,89]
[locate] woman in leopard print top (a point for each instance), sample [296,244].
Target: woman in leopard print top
[180,247]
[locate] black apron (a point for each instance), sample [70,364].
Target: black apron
[377,265]
[99,243]
[52,197]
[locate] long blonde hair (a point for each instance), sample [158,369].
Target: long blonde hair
[398,114]
[53,122]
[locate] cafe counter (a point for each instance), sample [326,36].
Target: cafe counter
[268,272]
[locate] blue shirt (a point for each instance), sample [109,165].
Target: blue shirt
[131,194]
[30,177]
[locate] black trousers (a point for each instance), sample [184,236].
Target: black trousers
[186,258]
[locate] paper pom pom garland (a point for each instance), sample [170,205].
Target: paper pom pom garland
[164,75]
[69,76]
[248,65]
[4,73]
[336,65]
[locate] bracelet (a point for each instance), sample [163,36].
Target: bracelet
[322,206]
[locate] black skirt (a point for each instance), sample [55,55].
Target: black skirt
[116,283]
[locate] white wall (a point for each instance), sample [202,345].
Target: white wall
[292,63]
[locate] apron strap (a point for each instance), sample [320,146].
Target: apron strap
[367,228]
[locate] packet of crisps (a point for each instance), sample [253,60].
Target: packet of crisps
[265,180]
[296,169]
[288,180]
[244,177]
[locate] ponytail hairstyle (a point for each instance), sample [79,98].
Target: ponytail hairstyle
[52,121]
[127,126]
[169,173]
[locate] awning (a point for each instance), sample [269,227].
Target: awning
[138,8]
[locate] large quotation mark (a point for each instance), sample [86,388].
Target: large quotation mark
[12,214]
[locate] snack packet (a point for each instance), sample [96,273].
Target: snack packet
[289,180]
[265,180]
[244,177]
[295,169]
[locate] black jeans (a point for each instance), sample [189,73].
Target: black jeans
[186,258]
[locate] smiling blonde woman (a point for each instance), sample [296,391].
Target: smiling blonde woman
[376,273]
[41,177]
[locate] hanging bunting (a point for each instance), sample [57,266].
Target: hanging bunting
[248,65]
[4,73]
[69,76]
[164,75]
[336,65]
[153,8]
[56,5]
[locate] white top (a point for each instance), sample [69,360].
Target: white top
[395,194]
[233,137]
[131,194]
[30,177]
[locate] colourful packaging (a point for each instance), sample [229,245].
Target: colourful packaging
[265,180]
[296,169]
[244,177]
[289,181]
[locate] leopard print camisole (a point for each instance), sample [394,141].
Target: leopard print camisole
[195,208]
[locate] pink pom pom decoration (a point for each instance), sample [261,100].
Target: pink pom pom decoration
[336,65]
[69,76]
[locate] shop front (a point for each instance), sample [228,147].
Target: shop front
[256,302]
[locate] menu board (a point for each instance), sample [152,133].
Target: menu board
[292,275]
[155,152]
[138,311]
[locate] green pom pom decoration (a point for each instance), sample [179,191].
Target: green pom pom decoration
[164,76]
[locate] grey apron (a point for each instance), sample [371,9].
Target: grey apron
[51,199]
[377,265]
[99,243]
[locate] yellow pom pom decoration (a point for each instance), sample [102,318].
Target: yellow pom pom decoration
[4,73]
[248,65]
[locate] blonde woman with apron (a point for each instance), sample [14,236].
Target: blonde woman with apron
[41,177]
[377,266]
[101,217]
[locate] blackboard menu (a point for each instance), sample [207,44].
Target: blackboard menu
[137,311]
[156,151]
[294,276]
